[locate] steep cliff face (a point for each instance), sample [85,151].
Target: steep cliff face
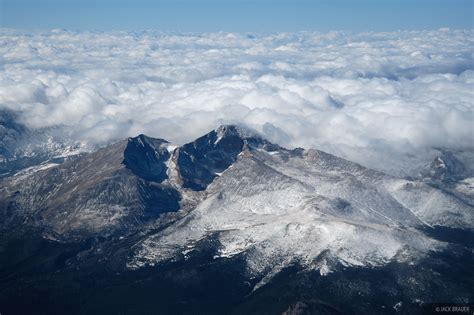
[146,157]
[201,161]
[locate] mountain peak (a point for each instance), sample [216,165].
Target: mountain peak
[200,161]
[146,157]
[242,132]
[146,140]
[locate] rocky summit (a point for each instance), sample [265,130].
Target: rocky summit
[231,223]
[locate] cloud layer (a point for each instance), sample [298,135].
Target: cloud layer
[380,99]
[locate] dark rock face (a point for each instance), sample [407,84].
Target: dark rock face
[146,158]
[446,168]
[158,199]
[199,161]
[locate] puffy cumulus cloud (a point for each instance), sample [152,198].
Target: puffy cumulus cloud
[380,99]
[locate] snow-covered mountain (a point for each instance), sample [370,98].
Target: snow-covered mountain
[233,199]
[280,207]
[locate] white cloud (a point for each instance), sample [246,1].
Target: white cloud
[376,98]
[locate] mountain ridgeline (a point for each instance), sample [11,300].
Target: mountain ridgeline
[122,185]
[228,224]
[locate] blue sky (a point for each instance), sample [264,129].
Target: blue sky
[237,15]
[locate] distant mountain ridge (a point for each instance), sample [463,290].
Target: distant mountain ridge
[21,147]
